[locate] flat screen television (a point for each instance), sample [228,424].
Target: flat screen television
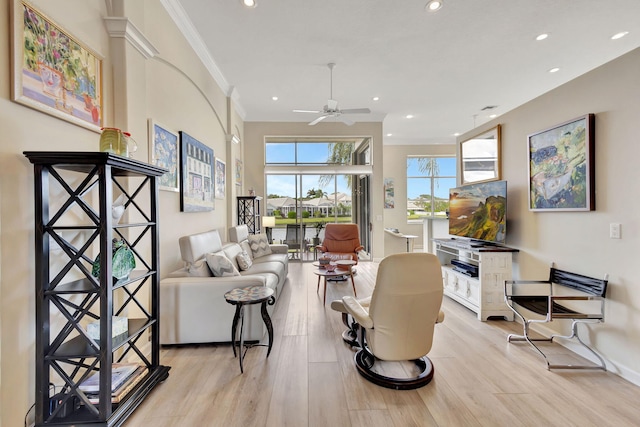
[479,211]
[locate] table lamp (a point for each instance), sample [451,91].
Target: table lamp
[268,222]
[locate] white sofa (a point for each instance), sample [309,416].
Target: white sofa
[192,304]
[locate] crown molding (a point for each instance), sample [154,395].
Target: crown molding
[185,26]
[119,27]
[233,94]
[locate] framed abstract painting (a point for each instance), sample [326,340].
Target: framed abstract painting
[562,166]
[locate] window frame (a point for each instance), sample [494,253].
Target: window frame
[298,153]
[431,184]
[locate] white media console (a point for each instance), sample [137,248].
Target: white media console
[483,294]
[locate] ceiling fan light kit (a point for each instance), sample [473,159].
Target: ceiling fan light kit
[331,108]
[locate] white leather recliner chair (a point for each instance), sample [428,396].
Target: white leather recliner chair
[398,323]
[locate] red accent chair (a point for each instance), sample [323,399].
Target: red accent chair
[341,241]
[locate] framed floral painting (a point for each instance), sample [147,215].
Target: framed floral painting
[53,72]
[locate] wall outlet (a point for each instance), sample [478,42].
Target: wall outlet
[614,230]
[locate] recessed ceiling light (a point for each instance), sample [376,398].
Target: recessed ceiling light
[542,36]
[275,98]
[409,116]
[249,3]
[389,134]
[456,134]
[433,5]
[493,116]
[376,98]
[554,70]
[619,35]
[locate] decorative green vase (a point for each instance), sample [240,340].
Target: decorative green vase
[122,264]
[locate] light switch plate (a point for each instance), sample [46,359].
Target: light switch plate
[614,230]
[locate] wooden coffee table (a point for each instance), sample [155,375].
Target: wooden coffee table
[343,268]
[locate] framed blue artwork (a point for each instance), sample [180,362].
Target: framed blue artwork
[163,152]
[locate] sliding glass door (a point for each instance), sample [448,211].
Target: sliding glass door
[310,183]
[302,206]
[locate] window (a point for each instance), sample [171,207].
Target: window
[428,181]
[309,153]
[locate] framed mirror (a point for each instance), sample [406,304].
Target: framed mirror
[480,157]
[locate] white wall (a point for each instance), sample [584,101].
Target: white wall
[180,95]
[579,241]
[395,166]
[27,129]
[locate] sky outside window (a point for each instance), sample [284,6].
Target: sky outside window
[416,187]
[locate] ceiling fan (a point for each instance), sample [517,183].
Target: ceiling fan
[332,110]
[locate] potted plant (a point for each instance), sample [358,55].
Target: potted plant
[318,226]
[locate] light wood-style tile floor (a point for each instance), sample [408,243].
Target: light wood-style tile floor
[310,378]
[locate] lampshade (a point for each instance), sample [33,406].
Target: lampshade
[268,221]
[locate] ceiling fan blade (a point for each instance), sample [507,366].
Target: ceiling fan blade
[308,111]
[345,120]
[332,104]
[356,111]
[318,120]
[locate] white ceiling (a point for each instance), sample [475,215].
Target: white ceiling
[443,67]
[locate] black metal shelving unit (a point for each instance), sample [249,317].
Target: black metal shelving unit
[73,223]
[249,213]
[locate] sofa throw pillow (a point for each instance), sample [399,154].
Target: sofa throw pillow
[247,248]
[244,260]
[259,245]
[221,266]
[199,269]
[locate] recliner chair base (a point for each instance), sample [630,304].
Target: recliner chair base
[350,335]
[365,361]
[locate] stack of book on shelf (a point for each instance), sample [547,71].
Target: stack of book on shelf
[124,377]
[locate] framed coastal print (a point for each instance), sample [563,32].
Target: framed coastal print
[480,157]
[197,173]
[562,168]
[221,170]
[163,152]
[54,72]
